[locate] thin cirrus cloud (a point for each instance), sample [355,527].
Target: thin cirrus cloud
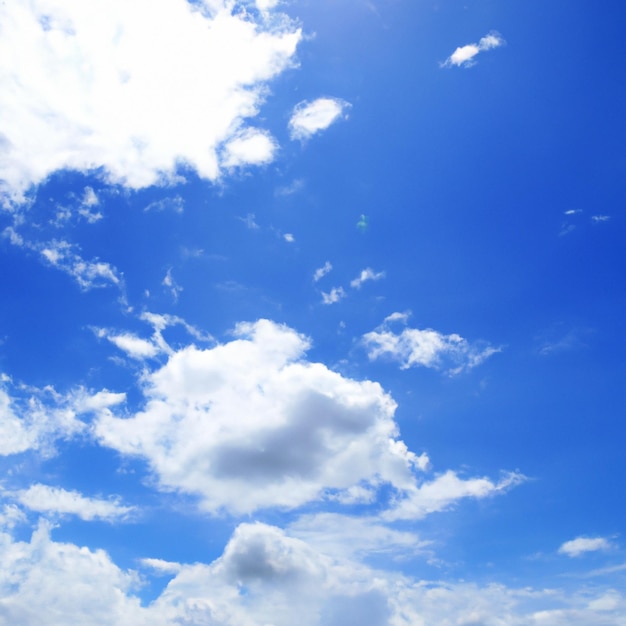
[310,118]
[130,90]
[413,347]
[465,56]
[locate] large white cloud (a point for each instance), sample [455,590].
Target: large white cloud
[134,88]
[250,424]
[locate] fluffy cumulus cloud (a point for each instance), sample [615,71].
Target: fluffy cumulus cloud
[255,581]
[250,424]
[134,90]
[413,347]
[464,56]
[33,419]
[310,118]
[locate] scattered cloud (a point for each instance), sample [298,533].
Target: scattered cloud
[320,272]
[104,89]
[582,545]
[600,218]
[333,296]
[65,256]
[465,55]
[310,118]
[250,221]
[249,147]
[34,419]
[175,203]
[56,501]
[413,347]
[171,285]
[289,238]
[291,189]
[364,276]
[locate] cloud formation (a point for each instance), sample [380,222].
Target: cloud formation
[56,501]
[464,56]
[255,580]
[250,424]
[413,347]
[309,118]
[134,90]
[581,545]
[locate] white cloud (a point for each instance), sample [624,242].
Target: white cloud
[581,545]
[349,537]
[134,88]
[54,500]
[172,286]
[445,491]
[271,576]
[428,348]
[63,256]
[310,118]
[333,296]
[176,204]
[289,238]
[47,582]
[465,55]
[33,419]
[135,347]
[249,147]
[249,424]
[600,218]
[320,272]
[364,276]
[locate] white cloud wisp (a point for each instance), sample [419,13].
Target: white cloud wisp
[464,56]
[310,118]
[413,347]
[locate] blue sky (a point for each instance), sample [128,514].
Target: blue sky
[313,312]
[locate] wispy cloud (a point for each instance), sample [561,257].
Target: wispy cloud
[310,118]
[464,56]
[320,272]
[582,545]
[64,256]
[364,276]
[412,347]
[54,500]
[333,296]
